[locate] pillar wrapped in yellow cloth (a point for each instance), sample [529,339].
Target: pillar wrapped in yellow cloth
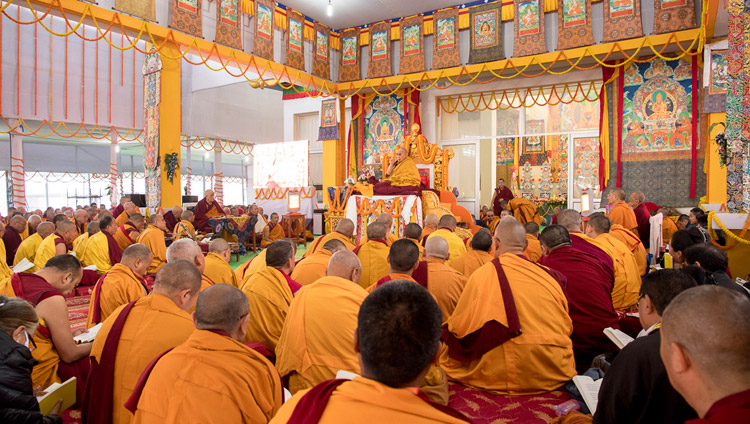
[217,264]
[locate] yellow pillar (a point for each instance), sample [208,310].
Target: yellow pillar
[716,174]
[170,122]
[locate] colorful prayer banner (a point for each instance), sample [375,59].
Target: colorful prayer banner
[380,50]
[349,56]
[263,41]
[445,44]
[329,126]
[622,20]
[718,82]
[186,17]
[412,42]
[674,15]
[228,30]
[384,127]
[486,33]
[322,52]
[529,24]
[574,24]
[144,9]
[151,71]
[294,37]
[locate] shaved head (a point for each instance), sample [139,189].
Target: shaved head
[570,219]
[599,223]
[413,231]
[218,246]
[386,219]
[431,220]
[532,228]
[403,256]
[186,250]
[187,215]
[448,221]
[555,236]
[176,276]
[334,245]
[511,235]
[482,240]
[220,307]
[34,220]
[436,247]
[376,230]
[638,196]
[18,222]
[137,251]
[64,226]
[345,227]
[45,228]
[618,193]
[344,264]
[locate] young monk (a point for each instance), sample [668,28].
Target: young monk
[102,249]
[481,244]
[217,263]
[413,232]
[153,238]
[272,232]
[314,266]
[343,233]
[373,255]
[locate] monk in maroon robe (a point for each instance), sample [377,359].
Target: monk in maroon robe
[173,217]
[121,207]
[501,193]
[12,237]
[642,217]
[205,209]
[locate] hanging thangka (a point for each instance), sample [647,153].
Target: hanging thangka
[384,127]
[622,20]
[529,24]
[349,59]
[412,45]
[151,98]
[329,127]
[486,33]
[380,50]
[445,44]
[144,9]
[228,31]
[263,41]
[186,17]
[657,111]
[673,15]
[715,78]
[322,52]
[295,36]
[574,24]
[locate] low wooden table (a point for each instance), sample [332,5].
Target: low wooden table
[298,235]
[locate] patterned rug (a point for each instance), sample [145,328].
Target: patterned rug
[78,311]
[485,408]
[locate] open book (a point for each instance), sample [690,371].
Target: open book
[618,337]
[23,265]
[589,390]
[65,391]
[346,375]
[89,336]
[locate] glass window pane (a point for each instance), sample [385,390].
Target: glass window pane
[507,121]
[316,169]
[586,166]
[462,170]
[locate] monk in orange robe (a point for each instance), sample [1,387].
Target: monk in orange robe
[185,228]
[212,377]
[387,220]
[533,249]
[56,243]
[403,261]
[270,292]
[134,335]
[621,213]
[153,237]
[373,255]
[388,391]
[430,225]
[128,232]
[58,355]
[492,222]
[633,242]
[343,233]
[316,339]
[523,210]
[624,296]
[207,208]
[669,227]
[129,209]
[102,249]
[217,263]
[447,230]
[255,264]
[272,231]
[522,347]
[481,245]
[444,282]
[188,250]
[413,232]
[120,285]
[314,267]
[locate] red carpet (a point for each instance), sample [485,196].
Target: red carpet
[485,408]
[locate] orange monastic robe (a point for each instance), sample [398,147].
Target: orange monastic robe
[538,360]
[389,239]
[446,284]
[154,238]
[255,264]
[210,379]
[471,261]
[391,277]
[154,325]
[275,233]
[426,231]
[319,242]
[524,210]
[493,224]
[122,218]
[219,271]
[374,258]
[317,339]
[623,214]
[669,227]
[270,296]
[405,174]
[123,235]
[456,246]
[312,268]
[624,296]
[372,402]
[119,287]
[533,250]
[633,242]
[184,229]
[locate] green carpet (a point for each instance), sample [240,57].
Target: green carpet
[301,249]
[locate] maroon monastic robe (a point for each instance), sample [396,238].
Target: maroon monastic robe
[201,217]
[12,240]
[171,220]
[642,217]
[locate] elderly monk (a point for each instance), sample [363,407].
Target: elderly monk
[134,335]
[56,243]
[501,193]
[447,230]
[102,249]
[120,207]
[315,341]
[533,249]
[81,219]
[270,292]
[669,226]
[632,242]
[399,317]
[207,208]
[5,271]
[272,231]
[153,238]
[33,222]
[128,232]
[430,225]
[516,317]
[523,210]
[481,244]
[387,220]
[82,241]
[130,210]
[642,216]
[217,263]
[188,250]
[313,267]
[624,296]
[621,213]
[212,377]
[58,355]
[343,233]
[172,217]
[185,228]
[710,372]
[120,285]
[12,238]
[413,232]
[373,255]
[444,282]
[636,387]
[589,292]
[27,249]
[403,260]
[402,172]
